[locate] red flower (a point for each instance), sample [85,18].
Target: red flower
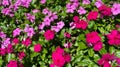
[21,55]
[49,35]
[92,15]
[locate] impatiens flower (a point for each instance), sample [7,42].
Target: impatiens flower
[2,51]
[45,11]
[37,48]
[67,35]
[47,21]
[27,42]
[68,45]
[98,3]
[97,46]
[106,58]
[92,37]
[25,3]
[114,37]
[81,10]
[7,11]
[16,32]
[55,28]
[5,43]
[81,24]
[29,30]
[42,1]
[41,26]
[36,11]
[52,16]
[60,24]
[21,55]
[15,41]
[105,10]
[12,63]
[2,35]
[85,2]
[5,2]
[59,58]
[76,19]
[93,15]
[115,9]
[72,25]
[49,35]
[30,17]
[9,48]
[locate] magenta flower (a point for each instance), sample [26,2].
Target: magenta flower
[47,21]
[2,35]
[9,48]
[29,30]
[97,46]
[81,10]
[21,55]
[2,51]
[115,9]
[7,11]
[27,42]
[16,32]
[5,43]
[30,17]
[67,35]
[93,15]
[72,25]
[45,11]
[15,41]
[37,48]
[41,26]
[5,2]
[49,35]
[25,3]
[68,45]
[92,37]
[85,2]
[55,28]
[35,11]
[12,63]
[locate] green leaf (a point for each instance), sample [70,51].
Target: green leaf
[91,52]
[117,53]
[91,24]
[81,45]
[102,51]
[111,49]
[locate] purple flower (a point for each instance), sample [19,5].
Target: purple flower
[81,10]
[42,1]
[30,17]
[35,10]
[98,3]
[115,9]
[85,2]
[2,35]
[53,16]
[16,32]
[70,8]
[7,11]
[60,24]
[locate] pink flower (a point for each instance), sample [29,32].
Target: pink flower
[85,2]
[81,10]
[16,32]
[105,10]
[98,3]
[27,42]
[106,64]
[41,26]
[5,43]
[45,11]
[5,2]
[2,35]
[55,28]
[72,25]
[118,60]
[12,63]
[29,30]
[92,37]
[67,35]
[15,41]
[60,24]
[92,15]
[68,45]
[21,55]
[7,11]
[97,46]
[115,9]
[30,17]
[76,19]
[114,37]
[37,48]
[25,3]
[42,1]
[49,35]
[35,11]
[9,48]
[47,21]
